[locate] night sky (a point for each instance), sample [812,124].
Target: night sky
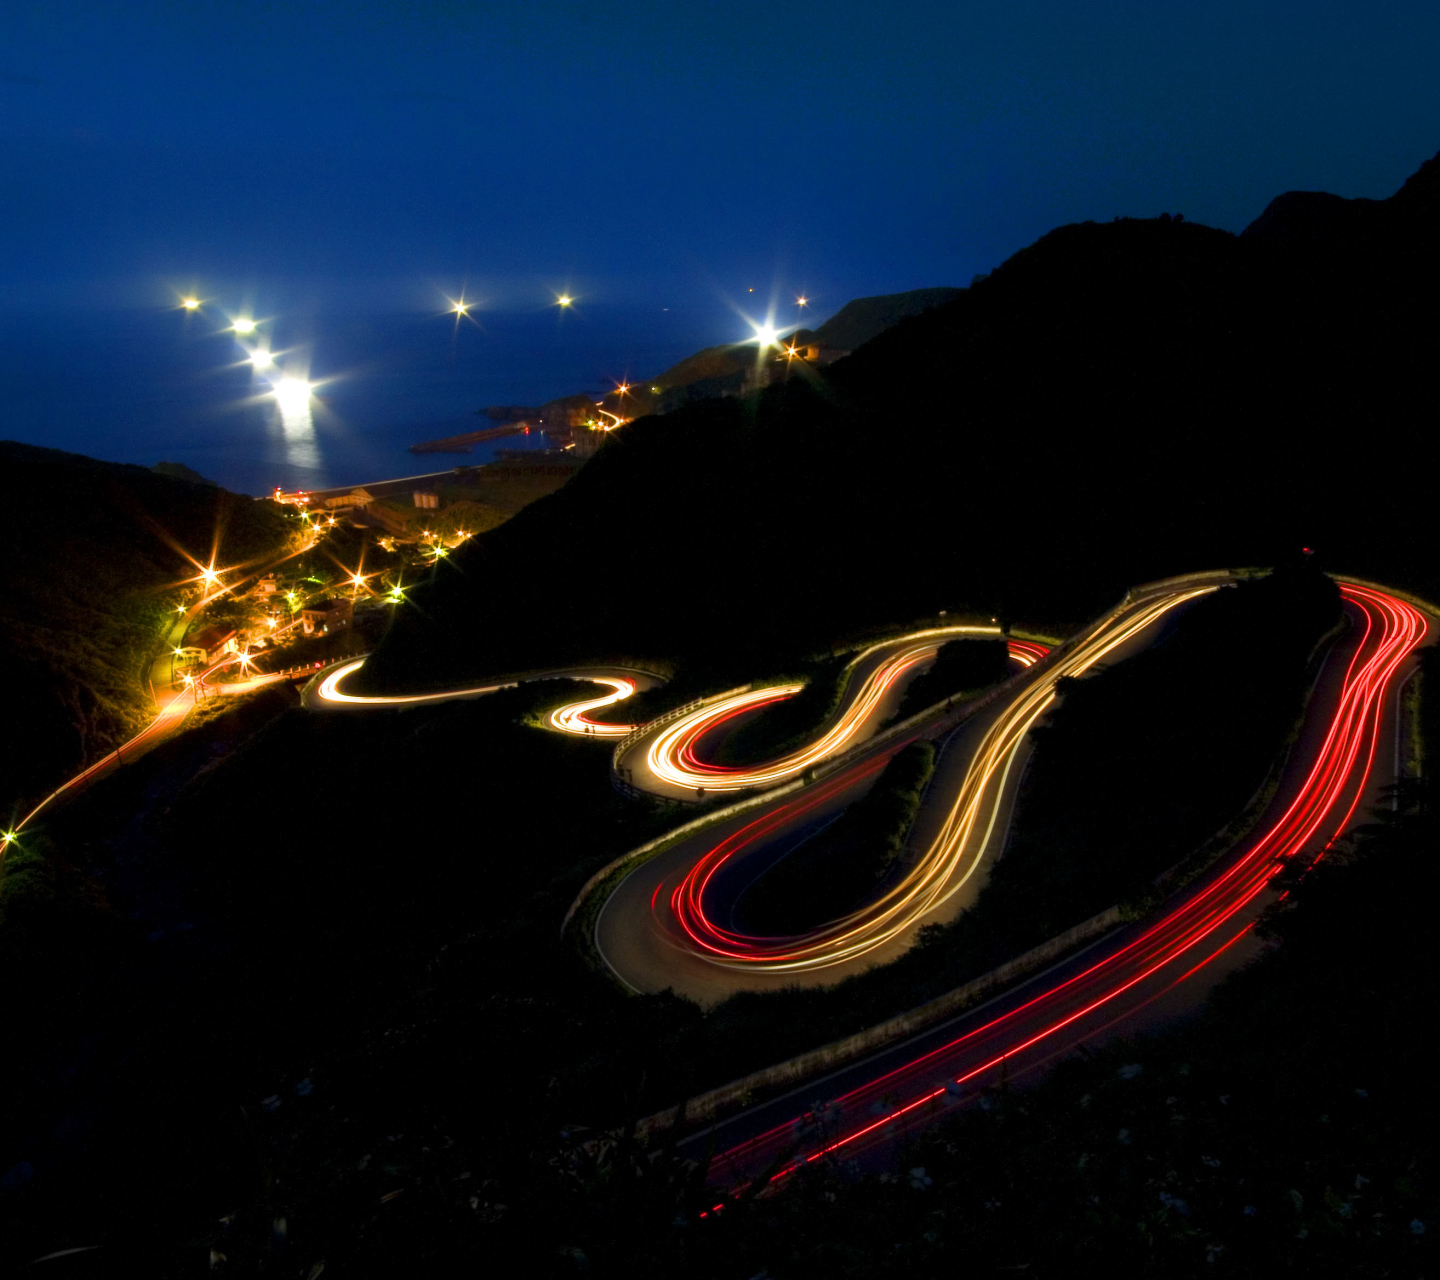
[374,155]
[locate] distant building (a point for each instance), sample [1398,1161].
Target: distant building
[326,616]
[819,353]
[426,499]
[355,498]
[267,586]
[208,646]
[392,519]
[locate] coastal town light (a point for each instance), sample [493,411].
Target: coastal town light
[564,300]
[261,359]
[765,334]
[244,325]
[190,304]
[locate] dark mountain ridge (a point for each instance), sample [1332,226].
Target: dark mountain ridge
[1116,402]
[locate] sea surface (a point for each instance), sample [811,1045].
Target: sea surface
[150,386]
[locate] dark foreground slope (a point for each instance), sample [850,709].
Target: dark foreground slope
[93,552]
[1117,402]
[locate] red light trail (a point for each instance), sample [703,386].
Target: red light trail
[937,873]
[1200,924]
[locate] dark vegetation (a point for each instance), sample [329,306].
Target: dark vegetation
[840,867]
[783,726]
[92,562]
[1169,396]
[1288,1130]
[1137,763]
[308,942]
[290,988]
[960,667]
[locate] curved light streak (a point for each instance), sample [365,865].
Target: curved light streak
[572,718]
[329,691]
[672,756]
[940,871]
[1199,927]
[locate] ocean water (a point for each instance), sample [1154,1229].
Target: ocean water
[146,386]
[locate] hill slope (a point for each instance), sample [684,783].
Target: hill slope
[1116,402]
[90,559]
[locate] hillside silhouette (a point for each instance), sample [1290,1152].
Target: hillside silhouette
[95,551]
[1117,402]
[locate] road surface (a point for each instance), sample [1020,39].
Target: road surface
[1336,770]
[669,923]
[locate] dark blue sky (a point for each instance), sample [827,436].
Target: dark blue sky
[363,154]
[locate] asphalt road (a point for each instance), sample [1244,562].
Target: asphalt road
[1140,976]
[669,923]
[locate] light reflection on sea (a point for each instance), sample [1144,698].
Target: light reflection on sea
[147,386]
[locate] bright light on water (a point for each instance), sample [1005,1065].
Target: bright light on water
[297,425]
[293,396]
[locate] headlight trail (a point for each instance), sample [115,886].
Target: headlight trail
[329,691]
[1200,925]
[672,756]
[941,870]
[572,718]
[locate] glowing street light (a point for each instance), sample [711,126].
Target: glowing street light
[802,302]
[460,308]
[244,325]
[765,335]
[564,300]
[261,359]
[210,575]
[190,304]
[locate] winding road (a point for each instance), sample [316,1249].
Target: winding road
[1347,752]
[667,915]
